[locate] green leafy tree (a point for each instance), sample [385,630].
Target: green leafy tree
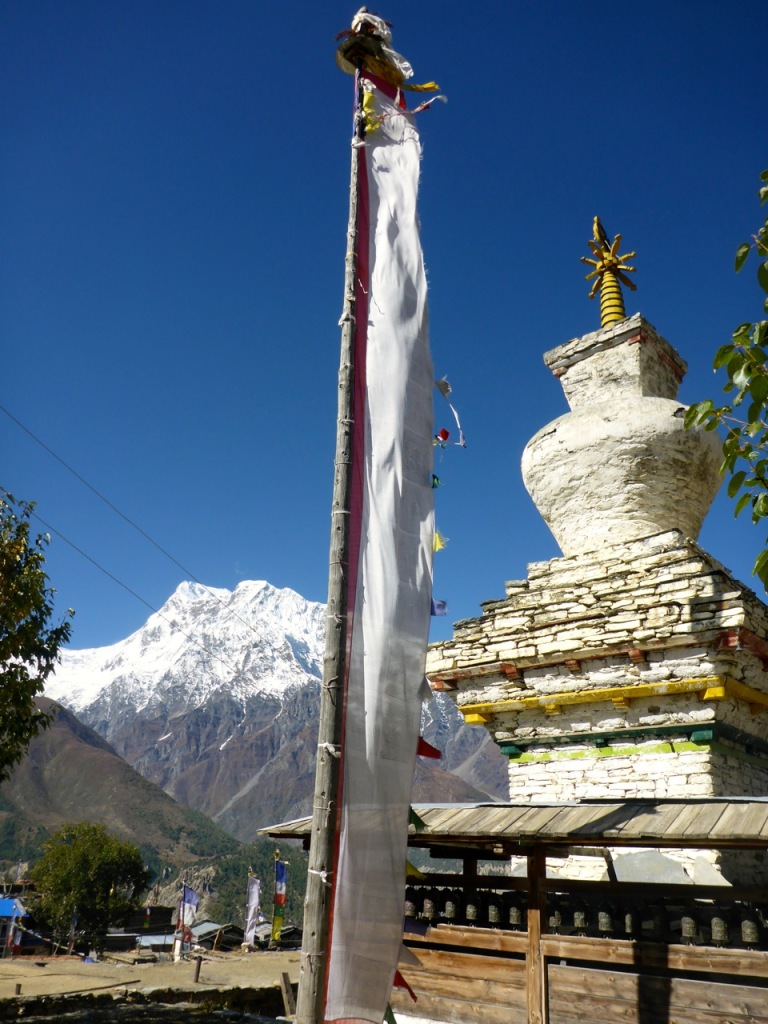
[88,874]
[745,361]
[29,645]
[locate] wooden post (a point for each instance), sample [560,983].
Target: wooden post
[317,903]
[289,1003]
[536,987]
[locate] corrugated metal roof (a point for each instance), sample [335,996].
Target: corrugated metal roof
[705,823]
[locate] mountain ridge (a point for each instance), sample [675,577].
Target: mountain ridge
[71,774]
[216,700]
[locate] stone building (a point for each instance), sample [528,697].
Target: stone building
[635,665]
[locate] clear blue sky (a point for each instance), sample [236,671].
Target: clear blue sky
[173,185]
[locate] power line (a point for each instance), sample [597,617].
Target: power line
[130,522]
[98,493]
[173,625]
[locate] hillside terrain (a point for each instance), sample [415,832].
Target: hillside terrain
[216,698]
[71,774]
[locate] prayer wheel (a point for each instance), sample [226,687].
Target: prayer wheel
[450,907]
[688,928]
[555,921]
[473,909]
[605,922]
[429,904]
[750,927]
[719,927]
[494,909]
[410,902]
[580,919]
[514,914]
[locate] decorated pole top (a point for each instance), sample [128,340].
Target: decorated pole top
[366,44]
[610,272]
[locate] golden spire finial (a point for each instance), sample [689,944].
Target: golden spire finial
[609,271]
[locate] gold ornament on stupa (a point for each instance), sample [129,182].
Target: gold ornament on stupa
[609,274]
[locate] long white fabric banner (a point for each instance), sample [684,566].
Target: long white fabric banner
[252,909]
[390,580]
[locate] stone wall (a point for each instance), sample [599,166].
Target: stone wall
[635,671]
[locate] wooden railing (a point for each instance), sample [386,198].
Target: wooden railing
[476,974]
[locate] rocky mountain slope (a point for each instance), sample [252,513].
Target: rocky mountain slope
[70,774]
[215,699]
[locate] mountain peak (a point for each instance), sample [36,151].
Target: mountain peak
[254,639]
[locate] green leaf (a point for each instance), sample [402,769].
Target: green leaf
[742,503]
[742,331]
[691,415]
[760,509]
[741,255]
[735,363]
[735,483]
[742,376]
[758,389]
[762,275]
[722,356]
[704,409]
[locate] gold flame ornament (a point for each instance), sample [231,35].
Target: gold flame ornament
[610,269]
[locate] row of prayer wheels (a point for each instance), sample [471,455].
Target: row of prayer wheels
[482,909]
[700,923]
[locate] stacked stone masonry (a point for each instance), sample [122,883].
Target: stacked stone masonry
[635,665]
[636,670]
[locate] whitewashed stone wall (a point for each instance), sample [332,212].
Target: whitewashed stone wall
[636,665]
[645,774]
[658,594]
[657,611]
[620,465]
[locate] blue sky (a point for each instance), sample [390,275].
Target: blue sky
[174,184]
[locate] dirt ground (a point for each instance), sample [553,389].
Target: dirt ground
[30,977]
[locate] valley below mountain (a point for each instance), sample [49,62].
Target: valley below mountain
[70,774]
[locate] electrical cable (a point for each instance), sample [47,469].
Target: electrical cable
[130,522]
[173,625]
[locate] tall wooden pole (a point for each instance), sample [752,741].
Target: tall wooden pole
[534,961]
[317,904]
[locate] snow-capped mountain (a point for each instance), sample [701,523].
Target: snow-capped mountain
[255,639]
[216,700]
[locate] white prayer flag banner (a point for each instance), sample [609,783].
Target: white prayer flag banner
[390,572]
[252,912]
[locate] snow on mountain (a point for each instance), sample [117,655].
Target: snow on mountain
[216,700]
[256,639]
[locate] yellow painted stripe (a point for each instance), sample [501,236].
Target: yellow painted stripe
[708,688]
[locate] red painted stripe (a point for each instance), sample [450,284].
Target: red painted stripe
[390,91]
